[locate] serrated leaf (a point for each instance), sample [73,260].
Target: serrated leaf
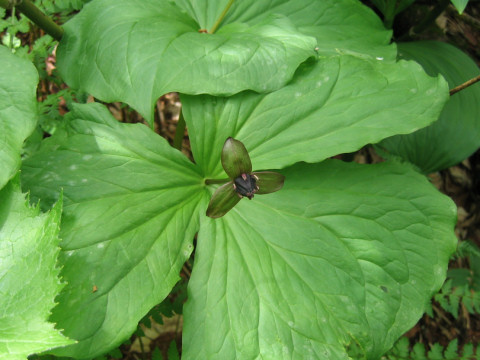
[456,134]
[119,50]
[18,110]
[418,352]
[340,26]
[344,257]
[436,352]
[28,275]
[451,352]
[130,215]
[332,106]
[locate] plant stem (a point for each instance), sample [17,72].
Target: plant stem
[464,85]
[215,181]
[220,18]
[179,132]
[389,14]
[36,16]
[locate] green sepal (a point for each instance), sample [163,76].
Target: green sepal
[222,201]
[235,158]
[268,181]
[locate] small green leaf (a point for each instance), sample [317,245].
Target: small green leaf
[344,258]
[29,279]
[235,158]
[460,5]
[18,110]
[222,201]
[268,181]
[173,351]
[131,212]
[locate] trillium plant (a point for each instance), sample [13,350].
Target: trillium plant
[338,264]
[236,163]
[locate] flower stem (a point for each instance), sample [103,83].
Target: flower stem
[220,18]
[215,181]
[36,16]
[179,132]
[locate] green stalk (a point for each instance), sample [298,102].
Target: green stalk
[216,181]
[179,132]
[389,14]
[36,16]
[220,18]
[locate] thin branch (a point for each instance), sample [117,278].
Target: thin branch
[464,85]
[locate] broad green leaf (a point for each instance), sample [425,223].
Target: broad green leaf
[460,5]
[130,215]
[344,26]
[342,260]
[18,110]
[456,134]
[29,278]
[332,106]
[137,51]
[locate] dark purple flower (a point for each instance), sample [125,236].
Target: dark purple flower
[244,183]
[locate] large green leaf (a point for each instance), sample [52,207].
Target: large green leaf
[18,110]
[28,275]
[341,261]
[456,135]
[344,26]
[130,216]
[335,105]
[135,51]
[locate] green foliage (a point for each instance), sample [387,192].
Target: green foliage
[460,4]
[338,263]
[390,8]
[456,134]
[62,6]
[461,288]
[18,110]
[29,278]
[260,53]
[450,297]
[302,250]
[403,351]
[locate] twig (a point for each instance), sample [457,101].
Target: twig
[464,85]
